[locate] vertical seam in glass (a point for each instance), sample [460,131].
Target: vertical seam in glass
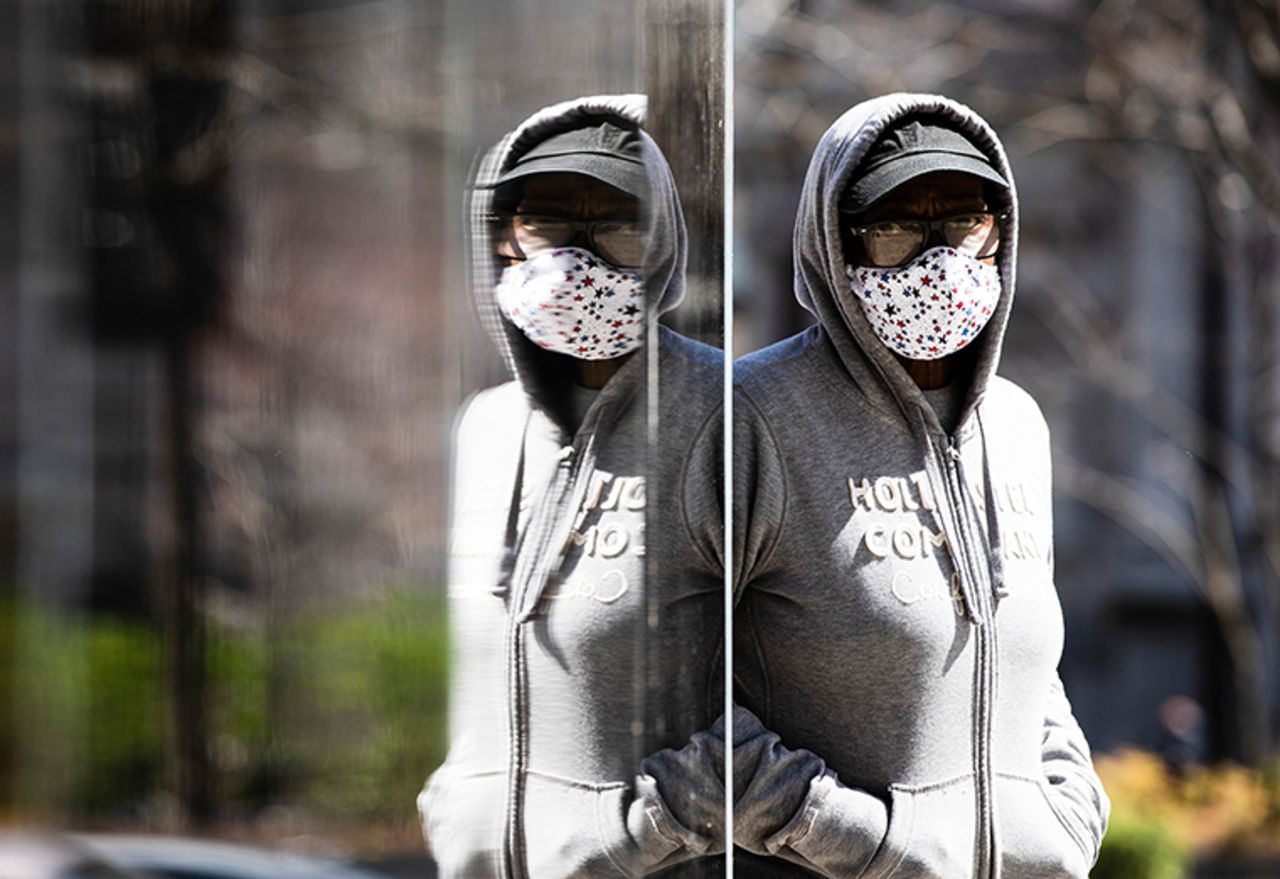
[642,683]
[726,123]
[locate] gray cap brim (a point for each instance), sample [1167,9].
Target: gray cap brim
[879,182]
[619,173]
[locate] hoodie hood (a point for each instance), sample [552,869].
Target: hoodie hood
[820,282]
[664,262]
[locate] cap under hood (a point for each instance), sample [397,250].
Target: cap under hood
[820,282]
[664,262]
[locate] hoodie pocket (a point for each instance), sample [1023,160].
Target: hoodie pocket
[930,833]
[578,829]
[462,822]
[1034,838]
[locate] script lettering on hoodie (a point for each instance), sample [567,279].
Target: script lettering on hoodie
[908,591]
[615,533]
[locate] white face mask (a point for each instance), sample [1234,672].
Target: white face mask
[931,307]
[570,301]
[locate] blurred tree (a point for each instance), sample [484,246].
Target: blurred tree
[684,42]
[157,227]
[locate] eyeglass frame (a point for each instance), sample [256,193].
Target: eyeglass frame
[576,226]
[1000,216]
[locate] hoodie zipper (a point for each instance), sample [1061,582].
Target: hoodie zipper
[539,565]
[984,658]
[549,512]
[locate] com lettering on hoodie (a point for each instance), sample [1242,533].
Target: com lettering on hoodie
[896,532]
[617,532]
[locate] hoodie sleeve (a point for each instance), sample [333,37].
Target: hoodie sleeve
[1076,790]
[679,808]
[759,492]
[702,493]
[789,805]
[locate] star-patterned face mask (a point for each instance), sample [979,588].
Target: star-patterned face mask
[570,301]
[933,306]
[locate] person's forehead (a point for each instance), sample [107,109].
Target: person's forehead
[568,188]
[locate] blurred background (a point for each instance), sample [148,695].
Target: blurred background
[228,389]
[1145,143]
[235,329]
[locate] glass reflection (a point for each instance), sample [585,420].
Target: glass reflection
[584,589]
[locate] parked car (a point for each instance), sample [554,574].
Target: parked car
[29,855]
[171,857]
[26,855]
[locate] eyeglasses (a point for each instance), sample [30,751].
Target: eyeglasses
[896,242]
[615,240]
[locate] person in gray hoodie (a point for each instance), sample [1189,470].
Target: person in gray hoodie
[584,615]
[898,631]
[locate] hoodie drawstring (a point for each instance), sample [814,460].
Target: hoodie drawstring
[975,575]
[995,542]
[985,576]
[512,536]
[942,513]
[568,518]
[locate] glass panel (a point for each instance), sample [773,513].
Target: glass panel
[586,624]
[281,536]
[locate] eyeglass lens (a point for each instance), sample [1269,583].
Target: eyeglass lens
[894,242]
[620,242]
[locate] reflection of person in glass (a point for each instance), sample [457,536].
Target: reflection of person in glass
[897,628]
[584,641]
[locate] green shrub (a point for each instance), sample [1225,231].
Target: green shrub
[81,711]
[1140,847]
[126,709]
[337,713]
[371,688]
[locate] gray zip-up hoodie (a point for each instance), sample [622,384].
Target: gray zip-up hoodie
[897,629]
[585,621]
